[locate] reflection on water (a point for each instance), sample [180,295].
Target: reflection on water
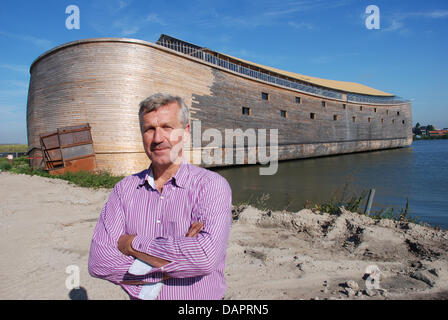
[419,173]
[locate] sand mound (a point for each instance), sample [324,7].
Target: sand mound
[308,250]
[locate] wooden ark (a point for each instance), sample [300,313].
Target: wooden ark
[102,81]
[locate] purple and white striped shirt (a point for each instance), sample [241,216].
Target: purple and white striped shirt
[160,222]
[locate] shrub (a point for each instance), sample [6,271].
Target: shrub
[5,166]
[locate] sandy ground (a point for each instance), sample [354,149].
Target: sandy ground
[46,226]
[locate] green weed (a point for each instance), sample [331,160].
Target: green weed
[81,178]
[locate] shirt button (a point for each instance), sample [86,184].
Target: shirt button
[162,197]
[158,221]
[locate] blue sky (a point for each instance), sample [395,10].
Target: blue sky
[327,39]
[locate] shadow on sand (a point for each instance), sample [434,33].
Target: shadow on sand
[78,294]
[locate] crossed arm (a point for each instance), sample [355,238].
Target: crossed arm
[125,247]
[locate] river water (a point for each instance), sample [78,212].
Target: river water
[419,173]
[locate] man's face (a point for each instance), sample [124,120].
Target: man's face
[163,134]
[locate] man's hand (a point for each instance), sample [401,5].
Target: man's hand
[125,244]
[195,228]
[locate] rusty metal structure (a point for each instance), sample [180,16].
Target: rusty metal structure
[68,149]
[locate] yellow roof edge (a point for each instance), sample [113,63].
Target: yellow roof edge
[345,86]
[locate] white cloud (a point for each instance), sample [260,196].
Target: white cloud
[15,67]
[154,18]
[438,14]
[130,25]
[396,25]
[39,42]
[116,6]
[435,14]
[272,13]
[283,8]
[122,4]
[332,58]
[398,20]
[300,25]
[129,31]
[126,26]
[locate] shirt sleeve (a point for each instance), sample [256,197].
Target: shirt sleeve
[105,260]
[200,255]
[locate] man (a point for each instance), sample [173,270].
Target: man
[163,232]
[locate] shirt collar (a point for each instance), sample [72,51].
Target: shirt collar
[179,178]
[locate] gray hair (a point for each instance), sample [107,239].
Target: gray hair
[158,100]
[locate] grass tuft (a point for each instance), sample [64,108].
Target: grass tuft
[81,178]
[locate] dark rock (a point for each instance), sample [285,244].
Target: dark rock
[424,276]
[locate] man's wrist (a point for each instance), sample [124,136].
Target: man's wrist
[131,250]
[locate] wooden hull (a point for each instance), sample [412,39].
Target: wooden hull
[102,81]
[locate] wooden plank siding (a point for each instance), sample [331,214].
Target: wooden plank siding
[102,81]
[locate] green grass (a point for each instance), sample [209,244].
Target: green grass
[81,178]
[353,204]
[389,213]
[430,137]
[13,147]
[333,205]
[342,197]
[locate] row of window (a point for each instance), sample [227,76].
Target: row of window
[265,96]
[284,114]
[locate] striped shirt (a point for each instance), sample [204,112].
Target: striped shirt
[160,222]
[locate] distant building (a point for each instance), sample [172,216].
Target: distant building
[438,132]
[424,130]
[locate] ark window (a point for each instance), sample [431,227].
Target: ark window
[283,113]
[354,119]
[374,109]
[335,117]
[324,104]
[393,120]
[382,120]
[298,100]
[402,121]
[264,96]
[369,119]
[344,106]
[360,108]
[312,115]
[246,111]
[398,113]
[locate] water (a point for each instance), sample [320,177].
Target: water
[419,173]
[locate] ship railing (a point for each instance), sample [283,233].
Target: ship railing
[354,97]
[302,86]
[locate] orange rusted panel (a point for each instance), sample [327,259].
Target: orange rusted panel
[83,164]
